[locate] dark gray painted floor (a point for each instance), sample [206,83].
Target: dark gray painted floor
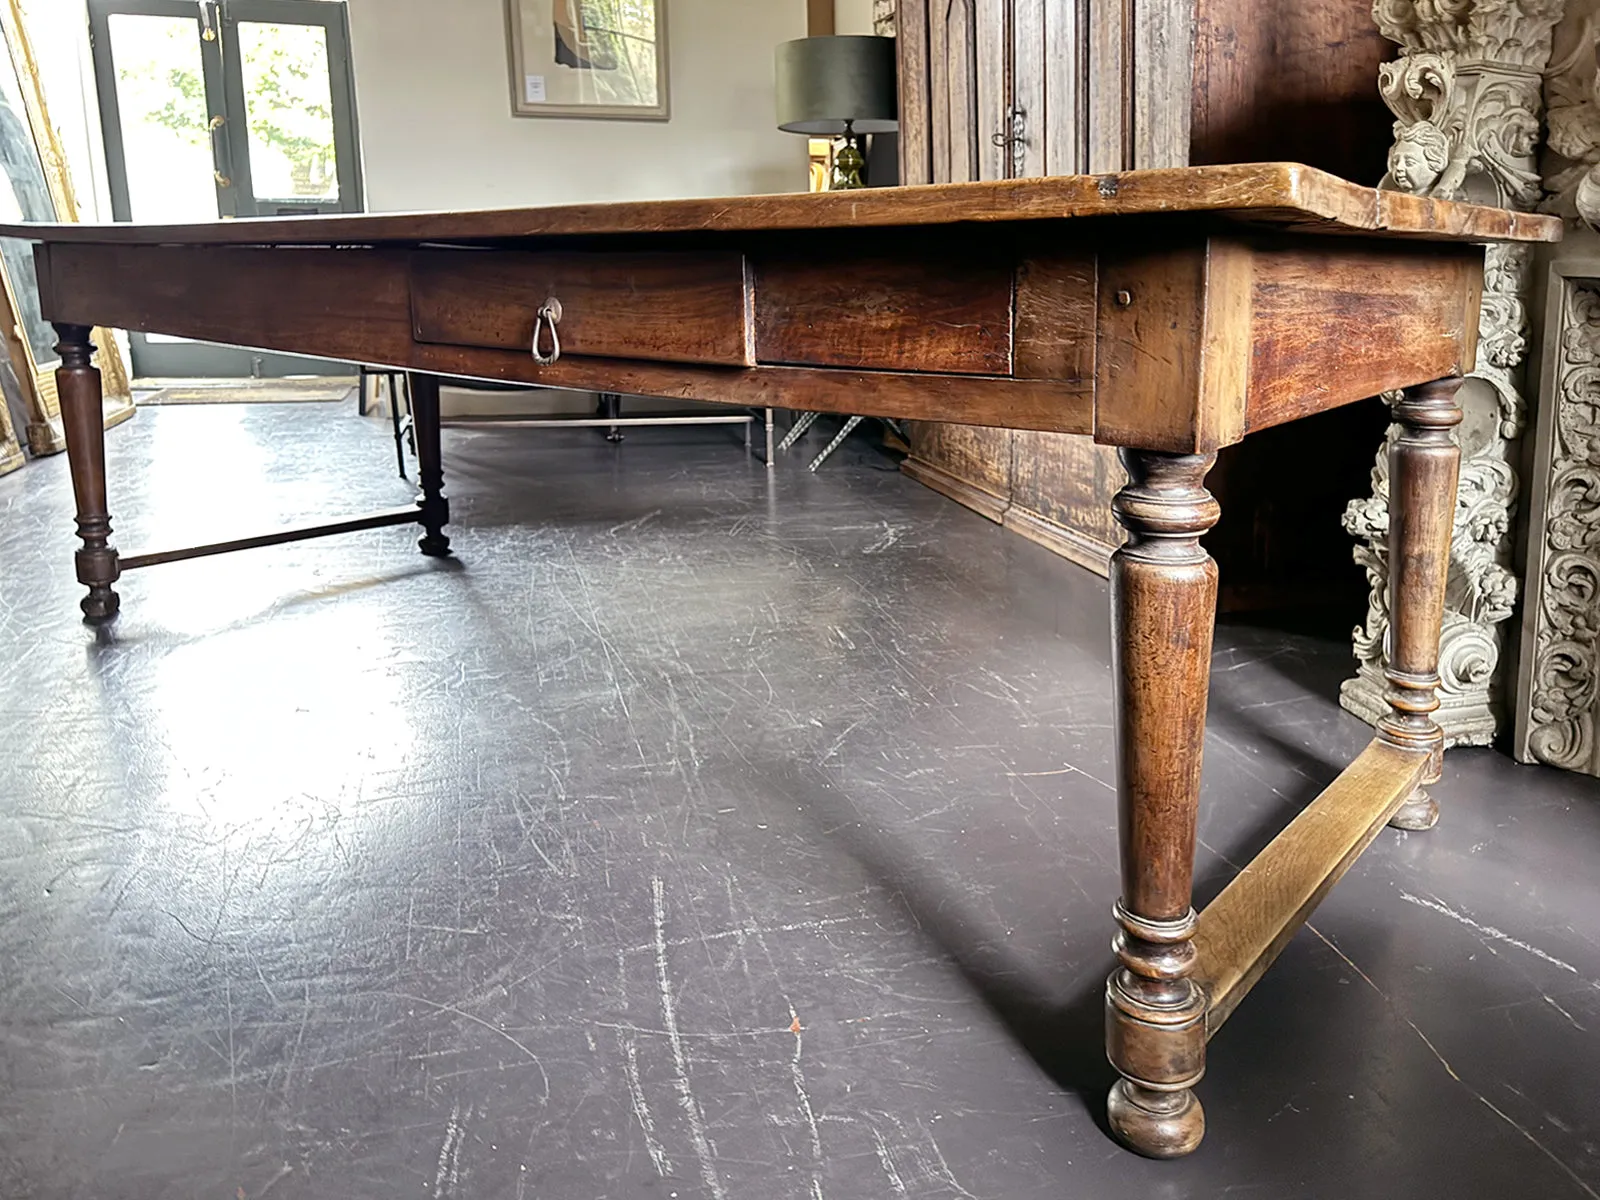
[699,833]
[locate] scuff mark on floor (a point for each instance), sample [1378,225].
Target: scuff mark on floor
[641,1109]
[449,1173]
[1488,931]
[799,1075]
[669,1017]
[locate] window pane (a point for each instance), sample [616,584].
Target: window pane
[289,104]
[166,136]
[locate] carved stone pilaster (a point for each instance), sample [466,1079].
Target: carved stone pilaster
[1558,703]
[1467,97]
[1558,684]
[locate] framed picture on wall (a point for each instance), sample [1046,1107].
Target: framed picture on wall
[589,58]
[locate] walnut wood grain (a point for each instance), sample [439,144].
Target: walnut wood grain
[1424,470]
[992,70]
[1061,489]
[1055,315]
[354,305]
[1271,194]
[1028,49]
[433,510]
[971,464]
[1202,341]
[83,419]
[1172,361]
[1163,601]
[1289,81]
[911,47]
[1069,541]
[1108,108]
[1161,51]
[689,307]
[943,313]
[1064,126]
[1244,929]
[1410,313]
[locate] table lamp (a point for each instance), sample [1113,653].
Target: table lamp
[838,85]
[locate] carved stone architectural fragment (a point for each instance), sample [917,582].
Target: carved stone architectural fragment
[1561,630]
[1467,96]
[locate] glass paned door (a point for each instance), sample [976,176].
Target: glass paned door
[167,160]
[287,64]
[213,110]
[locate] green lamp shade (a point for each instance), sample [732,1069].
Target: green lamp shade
[825,83]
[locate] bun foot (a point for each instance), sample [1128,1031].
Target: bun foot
[1156,1124]
[435,545]
[100,605]
[1418,814]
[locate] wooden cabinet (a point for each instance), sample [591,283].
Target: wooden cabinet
[995,89]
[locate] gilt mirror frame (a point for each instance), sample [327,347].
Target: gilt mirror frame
[35,364]
[11,456]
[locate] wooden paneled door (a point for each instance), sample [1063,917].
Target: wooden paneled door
[1015,89]
[996,89]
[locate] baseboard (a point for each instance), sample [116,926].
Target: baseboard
[984,503]
[1069,543]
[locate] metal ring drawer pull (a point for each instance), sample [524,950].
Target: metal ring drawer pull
[549,317]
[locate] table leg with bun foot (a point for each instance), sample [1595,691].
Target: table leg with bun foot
[83,418]
[433,508]
[1163,605]
[1424,468]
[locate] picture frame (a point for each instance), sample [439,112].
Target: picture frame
[603,59]
[35,186]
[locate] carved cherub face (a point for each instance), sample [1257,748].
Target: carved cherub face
[1418,157]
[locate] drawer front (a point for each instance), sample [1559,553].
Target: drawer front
[686,307]
[941,314]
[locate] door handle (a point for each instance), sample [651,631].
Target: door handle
[219,150]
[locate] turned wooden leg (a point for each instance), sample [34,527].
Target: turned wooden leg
[1163,608]
[433,508]
[1424,467]
[83,419]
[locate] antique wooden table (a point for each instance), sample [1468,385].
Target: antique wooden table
[1165,312]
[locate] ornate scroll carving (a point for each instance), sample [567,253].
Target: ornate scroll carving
[1466,95]
[1572,155]
[1561,637]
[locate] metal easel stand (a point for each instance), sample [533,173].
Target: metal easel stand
[611,420]
[404,425]
[806,420]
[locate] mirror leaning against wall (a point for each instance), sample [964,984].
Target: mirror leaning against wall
[36,187]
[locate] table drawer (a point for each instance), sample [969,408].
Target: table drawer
[687,307]
[928,311]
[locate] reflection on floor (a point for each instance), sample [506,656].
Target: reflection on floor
[701,832]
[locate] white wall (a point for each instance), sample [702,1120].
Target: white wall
[852,16]
[433,94]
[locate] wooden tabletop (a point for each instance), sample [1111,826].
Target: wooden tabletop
[1262,194]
